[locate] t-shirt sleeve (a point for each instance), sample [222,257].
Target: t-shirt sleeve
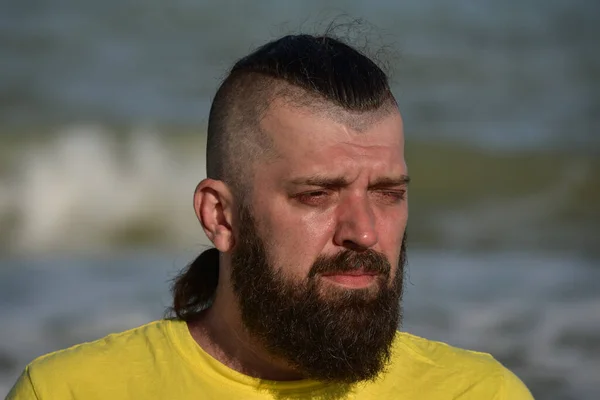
[23,388]
[514,388]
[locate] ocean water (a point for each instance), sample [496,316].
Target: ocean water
[103,109]
[503,74]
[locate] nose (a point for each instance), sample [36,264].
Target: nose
[355,227]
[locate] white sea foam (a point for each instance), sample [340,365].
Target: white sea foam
[86,189]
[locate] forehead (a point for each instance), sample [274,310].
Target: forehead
[311,139]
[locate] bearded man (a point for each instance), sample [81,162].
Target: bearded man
[306,205]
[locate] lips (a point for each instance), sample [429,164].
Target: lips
[351,279]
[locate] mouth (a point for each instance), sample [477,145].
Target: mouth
[356,279]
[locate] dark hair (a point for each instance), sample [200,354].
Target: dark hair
[302,68]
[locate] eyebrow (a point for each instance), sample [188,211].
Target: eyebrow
[340,181]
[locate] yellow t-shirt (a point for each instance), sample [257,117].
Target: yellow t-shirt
[161,360]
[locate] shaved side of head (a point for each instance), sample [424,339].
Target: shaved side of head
[234,136]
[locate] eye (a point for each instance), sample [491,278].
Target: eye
[390,196]
[313,198]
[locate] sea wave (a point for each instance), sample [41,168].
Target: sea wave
[87,189]
[90,188]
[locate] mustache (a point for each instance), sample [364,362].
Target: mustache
[369,261]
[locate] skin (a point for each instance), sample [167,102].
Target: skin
[338,181]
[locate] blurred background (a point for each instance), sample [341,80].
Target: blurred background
[103,112]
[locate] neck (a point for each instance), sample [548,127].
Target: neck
[221,333]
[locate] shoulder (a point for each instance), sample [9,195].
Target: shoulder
[130,341]
[442,355]
[88,362]
[452,369]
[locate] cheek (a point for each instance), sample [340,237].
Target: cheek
[319,228]
[294,240]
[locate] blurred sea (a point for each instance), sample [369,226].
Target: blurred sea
[103,109]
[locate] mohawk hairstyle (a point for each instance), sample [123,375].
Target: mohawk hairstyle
[304,69]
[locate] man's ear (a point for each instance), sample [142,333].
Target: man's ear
[213,203]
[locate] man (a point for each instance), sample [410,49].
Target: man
[306,205]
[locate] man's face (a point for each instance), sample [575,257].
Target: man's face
[331,187]
[319,261]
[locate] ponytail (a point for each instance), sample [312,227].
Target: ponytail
[194,288]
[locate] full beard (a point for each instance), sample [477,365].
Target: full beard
[334,335]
